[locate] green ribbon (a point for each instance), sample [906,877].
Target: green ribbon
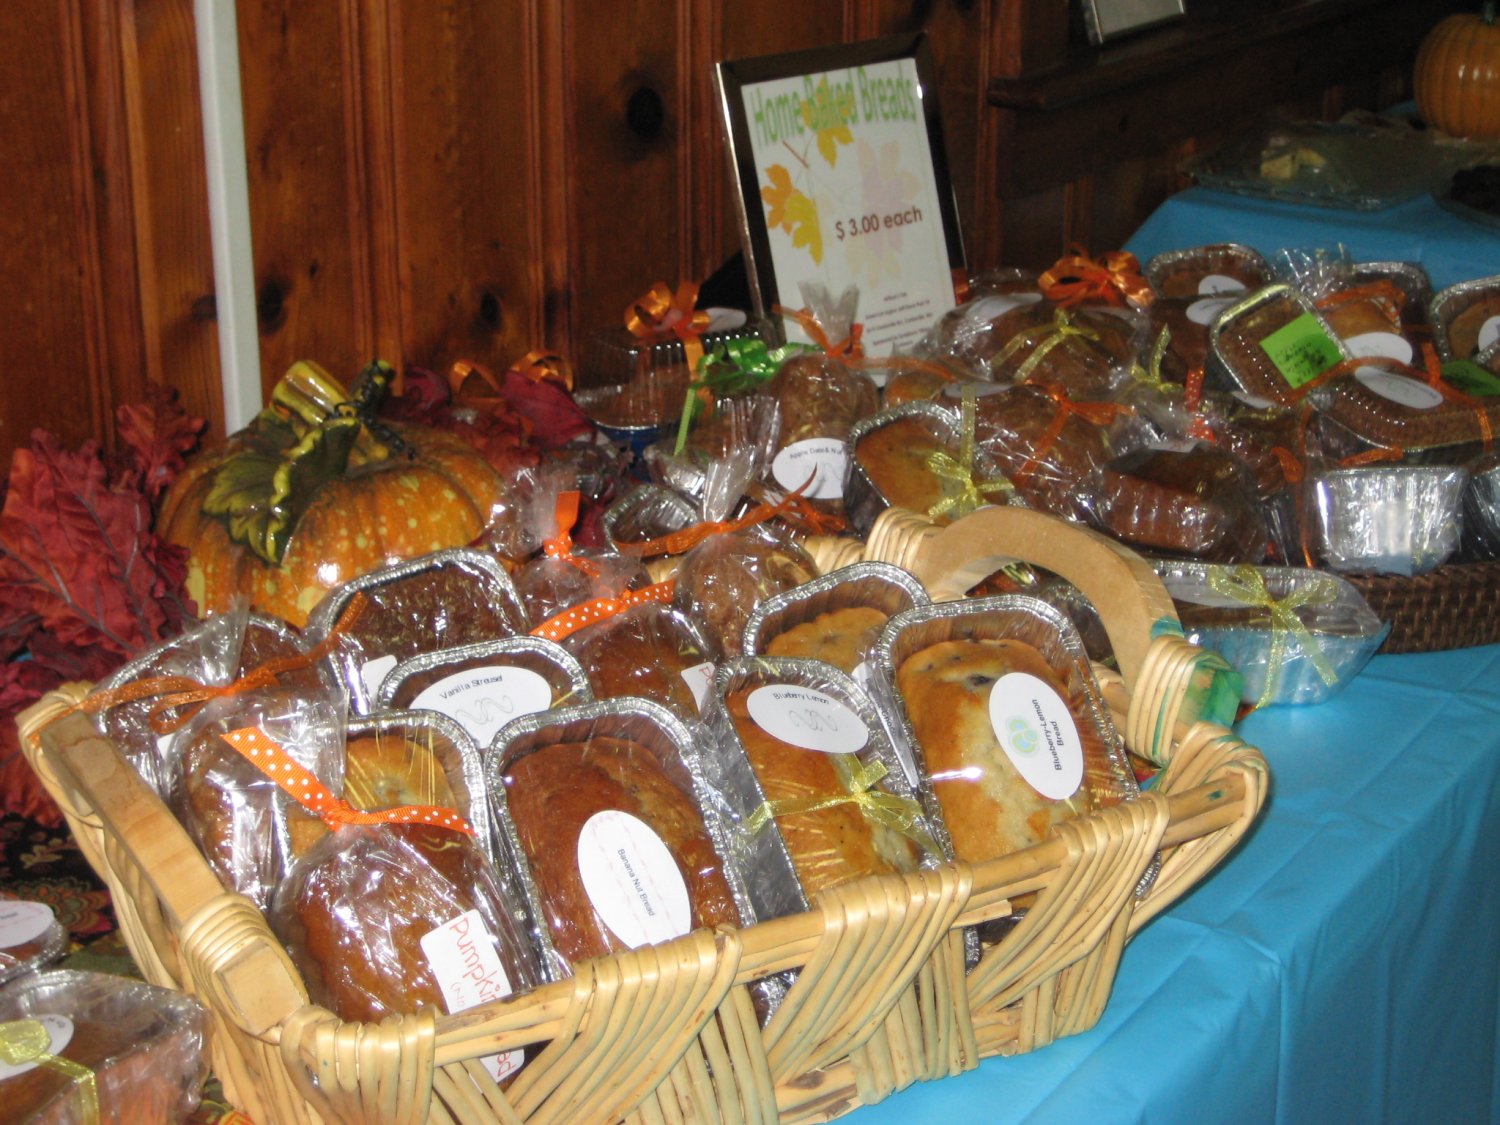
[734,367]
[889,809]
[1246,585]
[1062,328]
[27,1041]
[970,494]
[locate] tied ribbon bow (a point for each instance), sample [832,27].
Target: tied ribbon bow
[733,367]
[1058,332]
[888,809]
[1098,413]
[27,1041]
[1114,278]
[560,546]
[299,783]
[970,494]
[1246,585]
[849,348]
[569,621]
[793,506]
[544,367]
[659,311]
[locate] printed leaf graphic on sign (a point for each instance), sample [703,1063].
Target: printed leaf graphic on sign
[776,196]
[829,136]
[793,212]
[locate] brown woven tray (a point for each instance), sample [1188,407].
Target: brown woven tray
[1454,606]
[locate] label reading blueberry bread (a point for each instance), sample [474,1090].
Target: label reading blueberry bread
[1220,283]
[461,954]
[21,922]
[59,1033]
[1037,732]
[699,678]
[482,700]
[817,462]
[807,718]
[1301,350]
[632,880]
[1472,379]
[372,674]
[1400,389]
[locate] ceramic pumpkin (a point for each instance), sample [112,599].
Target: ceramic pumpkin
[314,492]
[1457,75]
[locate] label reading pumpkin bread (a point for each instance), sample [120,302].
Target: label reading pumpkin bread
[461,954]
[632,880]
[1037,732]
[807,718]
[482,700]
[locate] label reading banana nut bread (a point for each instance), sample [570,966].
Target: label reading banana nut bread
[482,700]
[60,1034]
[461,954]
[21,922]
[632,880]
[807,718]
[1037,732]
[820,461]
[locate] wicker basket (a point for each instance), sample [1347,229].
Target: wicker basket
[1454,606]
[668,1033]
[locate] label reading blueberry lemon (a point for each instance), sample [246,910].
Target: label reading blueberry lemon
[1037,732]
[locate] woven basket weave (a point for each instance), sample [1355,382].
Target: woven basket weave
[1454,606]
[669,1033]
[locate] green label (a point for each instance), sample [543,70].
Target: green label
[1301,350]
[1472,379]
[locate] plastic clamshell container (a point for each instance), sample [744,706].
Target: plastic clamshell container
[1388,519]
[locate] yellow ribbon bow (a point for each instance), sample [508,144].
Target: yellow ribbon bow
[27,1041]
[970,494]
[1246,585]
[1150,375]
[889,809]
[1061,329]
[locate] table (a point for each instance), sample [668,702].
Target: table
[1451,248]
[1344,965]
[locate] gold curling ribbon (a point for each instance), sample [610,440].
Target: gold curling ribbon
[890,809]
[1062,328]
[970,494]
[1150,375]
[27,1041]
[1246,585]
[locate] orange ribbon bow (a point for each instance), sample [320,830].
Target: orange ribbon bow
[793,505]
[659,311]
[303,786]
[1099,413]
[849,348]
[538,366]
[1114,278]
[580,616]
[560,546]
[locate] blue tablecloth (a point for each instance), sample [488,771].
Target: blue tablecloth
[1342,966]
[1452,248]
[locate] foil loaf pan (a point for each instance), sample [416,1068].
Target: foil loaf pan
[1388,519]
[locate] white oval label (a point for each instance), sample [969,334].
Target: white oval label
[1036,730]
[462,956]
[1391,345]
[1207,309]
[60,1034]
[1489,332]
[807,718]
[1220,283]
[1254,402]
[821,460]
[482,700]
[1399,389]
[996,306]
[725,320]
[372,674]
[632,880]
[699,678]
[21,922]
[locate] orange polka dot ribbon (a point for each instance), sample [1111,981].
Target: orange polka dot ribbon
[849,348]
[1114,278]
[560,546]
[580,616]
[299,783]
[659,311]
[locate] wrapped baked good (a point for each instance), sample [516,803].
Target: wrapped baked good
[1466,319]
[1199,501]
[1223,268]
[439,601]
[100,1048]
[604,806]
[648,511]
[826,776]
[1085,350]
[1481,510]
[1388,519]
[483,686]
[652,651]
[996,698]
[725,577]
[30,936]
[1274,344]
[1295,635]
[820,399]
[1386,408]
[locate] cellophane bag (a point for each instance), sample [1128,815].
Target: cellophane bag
[725,577]
[653,651]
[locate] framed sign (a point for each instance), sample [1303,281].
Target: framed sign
[1109,19]
[843,181]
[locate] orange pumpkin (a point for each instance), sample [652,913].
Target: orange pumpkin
[377,501]
[1457,75]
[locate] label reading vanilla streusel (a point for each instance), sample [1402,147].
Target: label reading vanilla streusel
[1037,732]
[482,700]
[632,880]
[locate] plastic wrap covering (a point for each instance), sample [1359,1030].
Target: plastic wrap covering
[607,808]
[103,1049]
[723,579]
[1297,636]
[228,805]
[1481,510]
[820,399]
[564,576]
[484,686]
[1466,321]
[1389,519]
[825,773]
[441,600]
[1386,408]
[648,511]
[1199,501]
[1225,268]
[652,651]
[1000,709]
[30,936]
[1274,345]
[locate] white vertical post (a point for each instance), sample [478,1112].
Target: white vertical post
[229,209]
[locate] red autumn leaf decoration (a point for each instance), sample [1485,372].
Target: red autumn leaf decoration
[159,435]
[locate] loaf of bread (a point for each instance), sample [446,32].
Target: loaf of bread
[1013,431]
[830,845]
[725,577]
[643,652]
[895,457]
[1199,502]
[1186,273]
[1031,342]
[989,808]
[841,637]
[1464,329]
[555,791]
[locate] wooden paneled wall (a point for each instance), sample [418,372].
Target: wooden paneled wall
[433,180]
